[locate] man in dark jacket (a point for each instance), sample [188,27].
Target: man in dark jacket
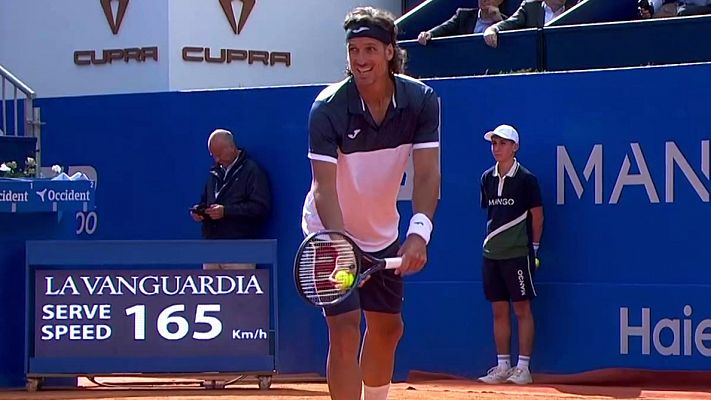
[236,200]
[531,14]
[466,21]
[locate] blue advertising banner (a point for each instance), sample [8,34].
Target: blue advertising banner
[45,195]
[111,307]
[157,314]
[624,175]
[151,313]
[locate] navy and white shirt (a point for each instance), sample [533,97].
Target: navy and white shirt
[508,199]
[370,159]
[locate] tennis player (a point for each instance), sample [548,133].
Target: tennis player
[362,131]
[512,197]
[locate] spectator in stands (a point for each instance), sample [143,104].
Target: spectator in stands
[657,8]
[236,200]
[531,14]
[466,21]
[694,7]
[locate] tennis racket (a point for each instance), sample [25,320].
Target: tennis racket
[327,255]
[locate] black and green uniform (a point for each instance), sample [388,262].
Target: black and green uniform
[507,269]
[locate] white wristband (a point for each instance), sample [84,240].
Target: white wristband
[421,226]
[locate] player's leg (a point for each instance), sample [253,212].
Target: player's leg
[381,299]
[342,370]
[526,326]
[521,374]
[526,333]
[520,278]
[502,327]
[377,358]
[496,292]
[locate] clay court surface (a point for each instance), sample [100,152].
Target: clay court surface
[605,384]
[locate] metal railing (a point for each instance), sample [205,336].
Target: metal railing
[32,124]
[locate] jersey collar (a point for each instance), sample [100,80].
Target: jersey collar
[356,104]
[512,171]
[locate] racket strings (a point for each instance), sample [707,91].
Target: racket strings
[320,261]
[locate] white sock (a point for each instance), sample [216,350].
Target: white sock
[504,360]
[375,393]
[523,362]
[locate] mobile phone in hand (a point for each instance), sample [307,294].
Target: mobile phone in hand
[199,210]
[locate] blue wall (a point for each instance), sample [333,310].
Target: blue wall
[597,258]
[15,228]
[435,12]
[8,112]
[633,43]
[150,153]
[151,157]
[468,55]
[564,48]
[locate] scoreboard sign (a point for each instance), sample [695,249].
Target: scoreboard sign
[151,313]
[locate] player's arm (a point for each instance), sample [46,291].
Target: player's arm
[424,203]
[426,181]
[536,210]
[326,195]
[536,223]
[483,198]
[323,153]
[425,158]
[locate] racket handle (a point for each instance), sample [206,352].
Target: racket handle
[393,263]
[387,263]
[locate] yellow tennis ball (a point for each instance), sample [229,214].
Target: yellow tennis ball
[344,279]
[538,262]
